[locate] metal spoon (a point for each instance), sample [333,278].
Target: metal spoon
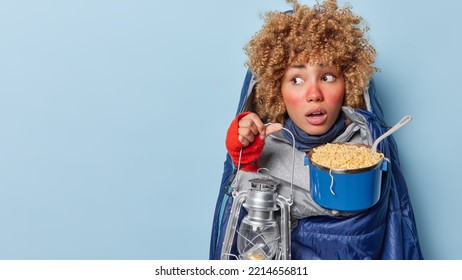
[405,120]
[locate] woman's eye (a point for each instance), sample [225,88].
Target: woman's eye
[328,78]
[297,81]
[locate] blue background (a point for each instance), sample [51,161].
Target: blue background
[113,117]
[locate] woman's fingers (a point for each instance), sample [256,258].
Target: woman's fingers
[272,128]
[244,141]
[249,127]
[253,122]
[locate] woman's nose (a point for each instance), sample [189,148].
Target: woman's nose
[314,93]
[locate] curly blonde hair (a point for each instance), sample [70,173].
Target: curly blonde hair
[323,34]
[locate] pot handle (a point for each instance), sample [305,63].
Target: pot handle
[384,165]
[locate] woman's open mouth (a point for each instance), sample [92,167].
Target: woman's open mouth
[316,117]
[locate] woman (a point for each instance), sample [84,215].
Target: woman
[310,73]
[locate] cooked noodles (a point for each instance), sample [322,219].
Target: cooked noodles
[345,156]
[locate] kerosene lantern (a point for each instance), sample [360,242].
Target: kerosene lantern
[264,233]
[260,236]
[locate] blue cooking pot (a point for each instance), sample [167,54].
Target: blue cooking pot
[346,189]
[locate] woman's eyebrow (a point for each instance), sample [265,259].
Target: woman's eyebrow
[298,66]
[302,66]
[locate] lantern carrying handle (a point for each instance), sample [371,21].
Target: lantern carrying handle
[293,165]
[260,173]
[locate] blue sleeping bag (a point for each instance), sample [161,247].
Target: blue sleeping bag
[385,231]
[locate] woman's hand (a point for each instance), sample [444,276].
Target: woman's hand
[251,126]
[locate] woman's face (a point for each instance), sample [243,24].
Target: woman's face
[313,95]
